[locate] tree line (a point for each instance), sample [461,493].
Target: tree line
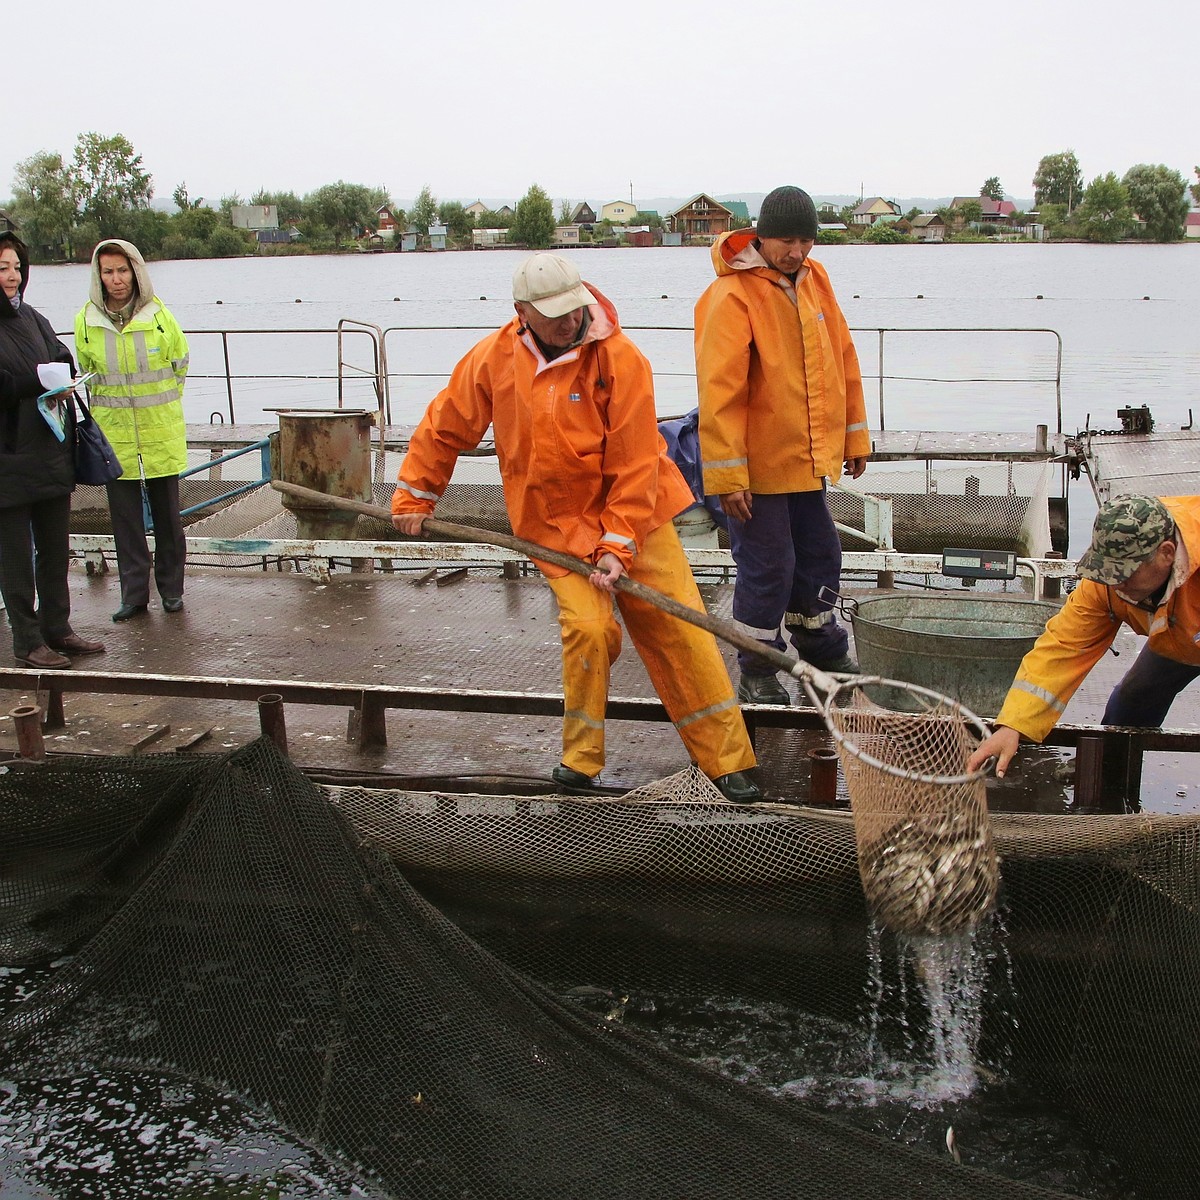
[64,206]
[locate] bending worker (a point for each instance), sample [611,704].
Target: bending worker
[781,411]
[571,403]
[130,340]
[1140,570]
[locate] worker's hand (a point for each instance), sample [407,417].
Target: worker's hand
[1003,744]
[609,569]
[736,505]
[410,523]
[855,467]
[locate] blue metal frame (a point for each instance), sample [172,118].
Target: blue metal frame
[264,449]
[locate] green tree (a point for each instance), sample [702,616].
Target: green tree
[885,233]
[1196,186]
[1058,180]
[108,180]
[1159,197]
[493,220]
[424,211]
[970,212]
[913,213]
[288,205]
[459,223]
[44,204]
[533,222]
[227,242]
[1104,214]
[564,212]
[345,209]
[182,200]
[643,217]
[992,189]
[198,221]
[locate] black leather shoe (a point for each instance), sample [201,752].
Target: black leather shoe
[762,689]
[576,781]
[128,611]
[172,604]
[738,787]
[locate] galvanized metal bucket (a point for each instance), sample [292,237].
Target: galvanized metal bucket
[966,647]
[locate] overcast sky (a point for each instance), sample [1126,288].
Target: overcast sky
[481,99]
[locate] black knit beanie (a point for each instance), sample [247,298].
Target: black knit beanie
[787,212]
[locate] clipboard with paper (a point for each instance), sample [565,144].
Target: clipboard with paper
[57,379]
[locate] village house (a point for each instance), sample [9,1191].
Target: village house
[700,217]
[385,224]
[1191,225]
[7,224]
[565,235]
[929,227]
[476,210]
[875,208]
[618,212]
[583,214]
[992,212]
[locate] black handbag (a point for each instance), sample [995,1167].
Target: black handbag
[95,460]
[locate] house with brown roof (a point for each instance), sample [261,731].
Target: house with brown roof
[1191,225]
[928,227]
[993,212]
[700,217]
[583,214]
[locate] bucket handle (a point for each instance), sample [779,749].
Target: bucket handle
[846,605]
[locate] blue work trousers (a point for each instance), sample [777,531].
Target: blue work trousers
[785,554]
[1143,698]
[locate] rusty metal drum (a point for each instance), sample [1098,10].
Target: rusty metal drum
[328,451]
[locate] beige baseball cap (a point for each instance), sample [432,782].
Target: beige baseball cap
[551,284]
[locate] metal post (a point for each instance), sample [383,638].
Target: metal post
[228,373]
[271,720]
[1089,767]
[1052,586]
[823,778]
[28,720]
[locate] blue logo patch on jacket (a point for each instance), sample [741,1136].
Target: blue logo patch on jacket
[575,397]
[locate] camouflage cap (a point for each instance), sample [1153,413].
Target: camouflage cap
[1127,532]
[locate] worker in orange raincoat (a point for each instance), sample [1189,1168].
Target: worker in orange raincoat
[1140,570]
[570,400]
[781,411]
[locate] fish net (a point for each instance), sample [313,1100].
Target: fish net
[925,851]
[395,977]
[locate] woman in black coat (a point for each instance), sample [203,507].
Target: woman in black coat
[37,476]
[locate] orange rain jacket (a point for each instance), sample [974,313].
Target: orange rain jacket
[585,469]
[1076,638]
[781,399]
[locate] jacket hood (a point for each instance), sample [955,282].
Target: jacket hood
[141,276]
[10,239]
[604,316]
[736,251]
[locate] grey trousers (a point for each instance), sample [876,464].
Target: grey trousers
[34,556]
[129,533]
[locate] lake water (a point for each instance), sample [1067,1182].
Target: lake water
[1129,318]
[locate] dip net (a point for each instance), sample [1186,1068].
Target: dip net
[925,852]
[393,976]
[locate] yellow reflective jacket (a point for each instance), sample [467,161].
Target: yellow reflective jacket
[781,398]
[584,467]
[1077,637]
[137,394]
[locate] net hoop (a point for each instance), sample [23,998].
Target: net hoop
[950,710]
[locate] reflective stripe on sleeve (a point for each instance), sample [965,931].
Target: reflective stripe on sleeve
[420,495]
[1038,693]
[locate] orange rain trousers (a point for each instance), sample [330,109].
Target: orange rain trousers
[682,660]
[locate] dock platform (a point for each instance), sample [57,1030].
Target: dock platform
[462,669]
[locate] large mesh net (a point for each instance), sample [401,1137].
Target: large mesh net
[392,976]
